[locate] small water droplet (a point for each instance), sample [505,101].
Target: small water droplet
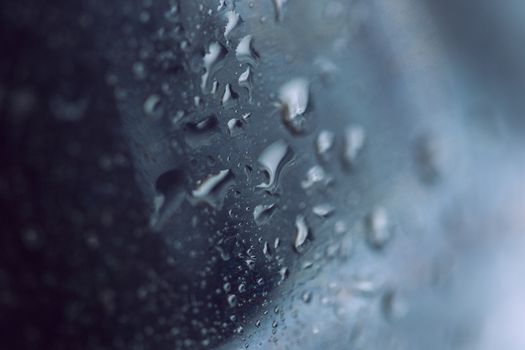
[227,286]
[324,143]
[393,306]
[242,288]
[263,212]
[245,81]
[153,106]
[266,250]
[323,210]
[354,140]
[377,228]
[245,52]
[283,273]
[306,296]
[294,101]
[235,126]
[273,159]
[301,233]
[232,300]
[229,97]
[278,5]
[315,176]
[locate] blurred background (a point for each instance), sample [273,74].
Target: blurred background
[264,174]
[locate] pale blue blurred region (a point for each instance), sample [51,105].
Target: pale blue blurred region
[453,70]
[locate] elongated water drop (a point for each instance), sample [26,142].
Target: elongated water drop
[324,143]
[212,61]
[377,228]
[323,210]
[235,126]
[229,98]
[301,233]
[294,101]
[263,212]
[245,52]
[278,5]
[354,140]
[210,189]
[245,81]
[233,19]
[273,159]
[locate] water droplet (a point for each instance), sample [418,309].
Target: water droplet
[227,286]
[211,189]
[393,306]
[354,140]
[315,176]
[306,296]
[198,134]
[277,242]
[235,126]
[263,212]
[172,13]
[324,143]
[242,288]
[340,227]
[245,52]
[229,98]
[283,273]
[266,250]
[273,159]
[377,228]
[212,61]
[245,81]
[278,5]
[323,210]
[232,300]
[301,233]
[153,106]
[233,19]
[428,156]
[294,101]
[169,187]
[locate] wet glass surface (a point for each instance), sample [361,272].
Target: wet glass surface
[270,174]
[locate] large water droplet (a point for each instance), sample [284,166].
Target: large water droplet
[273,159]
[354,140]
[212,62]
[301,233]
[294,101]
[263,212]
[211,189]
[245,52]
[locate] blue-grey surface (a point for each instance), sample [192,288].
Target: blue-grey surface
[273,174]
